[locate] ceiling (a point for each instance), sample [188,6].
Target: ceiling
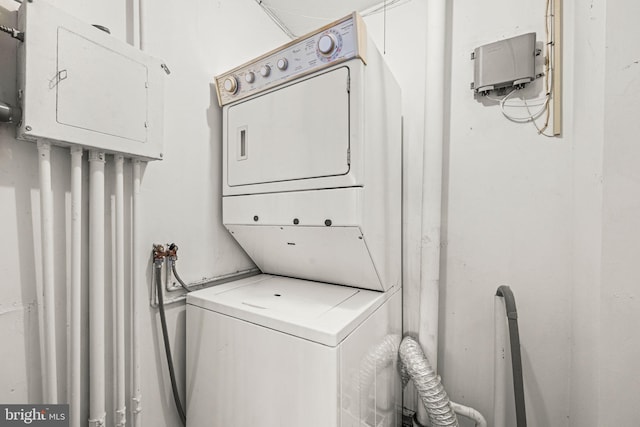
[298,17]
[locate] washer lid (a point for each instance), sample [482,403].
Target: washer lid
[315,311]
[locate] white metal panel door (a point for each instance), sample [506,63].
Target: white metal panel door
[300,131]
[99,89]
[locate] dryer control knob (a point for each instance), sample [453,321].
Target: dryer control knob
[231,84]
[250,77]
[265,70]
[282,64]
[326,44]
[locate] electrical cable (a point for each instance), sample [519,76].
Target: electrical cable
[167,347]
[530,118]
[516,357]
[532,101]
[271,14]
[381,8]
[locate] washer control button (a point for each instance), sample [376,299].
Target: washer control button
[250,77]
[283,64]
[231,84]
[265,71]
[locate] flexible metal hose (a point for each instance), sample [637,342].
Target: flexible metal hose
[427,383]
[167,346]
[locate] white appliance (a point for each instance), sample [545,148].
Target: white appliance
[273,351]
[312,192]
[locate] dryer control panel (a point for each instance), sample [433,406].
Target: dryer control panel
[337,42]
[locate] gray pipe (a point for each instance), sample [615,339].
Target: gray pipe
[434,398]
[9,114]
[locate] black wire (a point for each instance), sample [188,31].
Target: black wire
[177,276]
[167,347]
[516,358]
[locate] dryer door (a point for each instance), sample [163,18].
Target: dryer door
[300,131]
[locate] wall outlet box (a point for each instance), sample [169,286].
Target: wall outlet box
[79,85]
[504,63]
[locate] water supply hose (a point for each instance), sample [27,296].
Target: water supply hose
[172,257]
[516,358]
[177,276]
[431,391]
[165,337]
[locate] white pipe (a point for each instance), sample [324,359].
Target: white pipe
[136,302]
[121,411]
[142,41]
[75,357]
[432,183]
[470,413]
[48,278]
[499,364]
[137,260]
[97,351]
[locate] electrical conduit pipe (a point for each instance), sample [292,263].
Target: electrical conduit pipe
[75,358]
[121,406]
[432,183]
[97,349]
[136,301]
[9,113]
[48,311]
[137,260]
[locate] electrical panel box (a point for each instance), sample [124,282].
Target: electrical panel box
[504,63]
[78,85]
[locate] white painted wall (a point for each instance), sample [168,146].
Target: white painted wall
[180,195]
[508,210]
[587,66]
[555,219]
[619,344]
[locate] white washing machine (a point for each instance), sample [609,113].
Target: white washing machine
[312,192]
[272,351]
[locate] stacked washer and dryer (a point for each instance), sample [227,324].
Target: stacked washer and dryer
[312,192]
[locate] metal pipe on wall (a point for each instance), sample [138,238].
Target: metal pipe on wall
[75,358]
[137,259]
[141,30]
[136,302]
[9,113]
[121,406]
[48,279]
[97,411]
[432,184]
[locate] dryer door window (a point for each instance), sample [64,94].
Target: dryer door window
[297,132]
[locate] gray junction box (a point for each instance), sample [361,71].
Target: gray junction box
[504,63]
